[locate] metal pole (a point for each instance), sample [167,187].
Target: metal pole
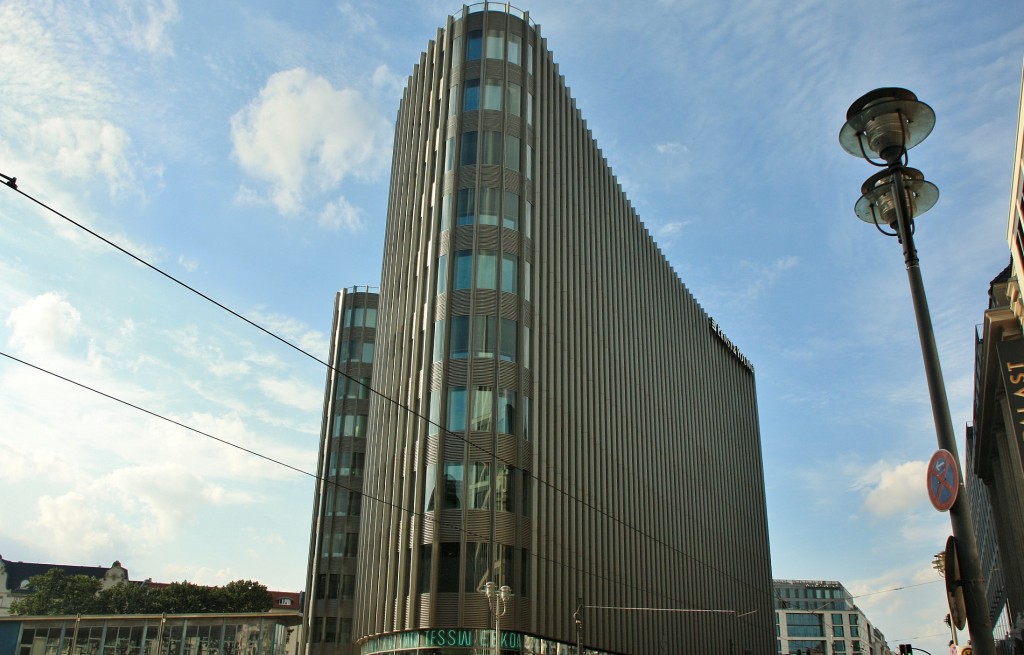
[960,514]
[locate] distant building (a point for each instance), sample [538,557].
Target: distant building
[258,633]
[14,578]
[15,582]
[819,617]
[331,574]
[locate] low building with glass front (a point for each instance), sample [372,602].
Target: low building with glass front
[256,633]
[819,617]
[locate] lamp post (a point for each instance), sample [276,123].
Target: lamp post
[497,602]
[885,124]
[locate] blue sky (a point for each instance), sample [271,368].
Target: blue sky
[245,148]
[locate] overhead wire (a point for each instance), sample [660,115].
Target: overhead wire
[399,404]
[335,483]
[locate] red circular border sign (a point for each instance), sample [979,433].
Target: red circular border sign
[943,480]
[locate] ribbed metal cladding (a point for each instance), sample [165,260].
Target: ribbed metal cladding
[331,571]
[632,432]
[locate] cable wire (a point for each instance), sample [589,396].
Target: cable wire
[384,397]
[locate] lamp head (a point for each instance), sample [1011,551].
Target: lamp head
[489,589]
[877,204]
[885,123]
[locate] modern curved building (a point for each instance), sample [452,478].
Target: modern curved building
[556,413]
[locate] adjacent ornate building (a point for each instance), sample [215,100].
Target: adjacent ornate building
[552,410]
[997,439]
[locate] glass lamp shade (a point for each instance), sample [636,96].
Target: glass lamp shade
[876,205]
[885,123]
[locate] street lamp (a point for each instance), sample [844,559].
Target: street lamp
[885,124]
[497,602]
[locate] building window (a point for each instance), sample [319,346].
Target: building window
[345,630]
[529,108]
[483,400]
[487,269]
[467,155]
[355,425]
[512,152]
[485,336]
[506,411]
[495,44]
[471,100]
[805,625]
[351,463]
[509,273]
[448,571]
[457,409]
[529,59]
[453,100]
[434,420]
[490,151]
[510,211]
[492,94]
[504,499]
[514,99]
[463,278]
[528,219]
[526,285]
[446,212]
[474,45]
[332,585]
[344,502]
[837,619]
[479,485]
[458,344]
[509,338]
[478,566]
[515,49]
[438,340]
[456,50]
[348,587]
[854,631]
[465,212]
[490,201]
[426,550]
[452,487]
[837,631]
[354,388]
[526,418]
[449,154]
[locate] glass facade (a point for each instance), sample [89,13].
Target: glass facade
[338,502]
[261,634]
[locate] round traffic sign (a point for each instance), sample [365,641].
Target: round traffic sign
[943,480]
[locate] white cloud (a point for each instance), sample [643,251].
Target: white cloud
[341,214]
[190,264]
[81,148]
[671,148]
[148,33]
[43,324]
[292,392]
[302,135]
[892,490]
[672,229]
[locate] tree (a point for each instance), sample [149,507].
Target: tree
[129,598]
[188,598]
[57,593]
[246,596]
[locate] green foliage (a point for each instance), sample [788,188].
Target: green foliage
[56,593]
[129,598]
[246,596]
